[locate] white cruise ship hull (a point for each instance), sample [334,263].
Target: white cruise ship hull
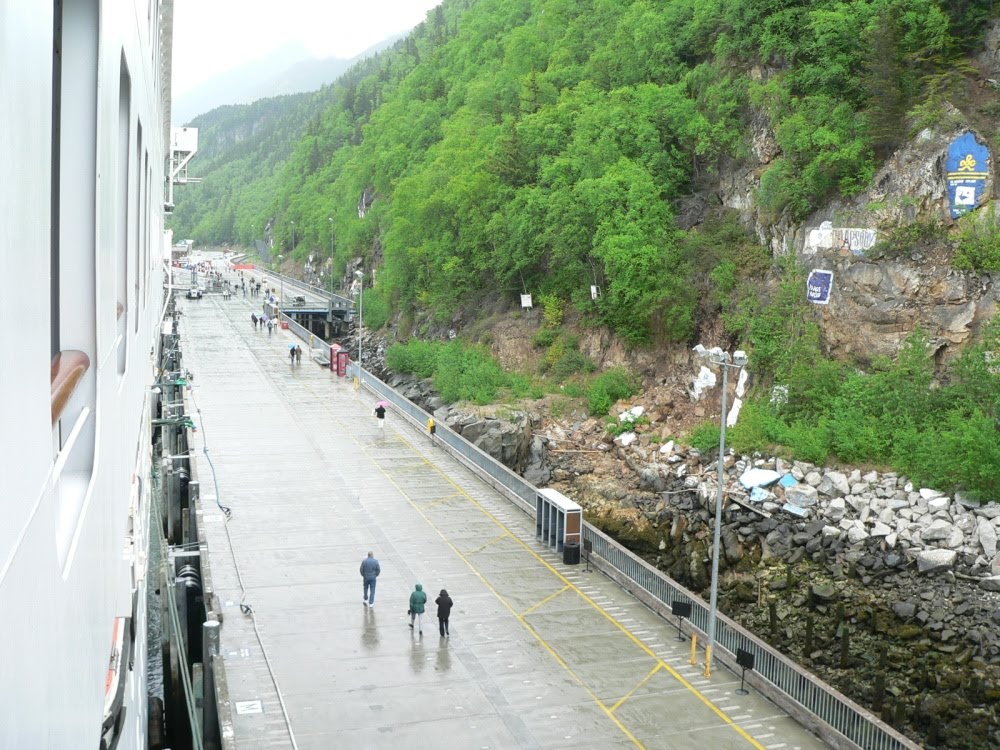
[84,102]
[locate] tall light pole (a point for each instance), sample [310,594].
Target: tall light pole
[738,361]
[281,296]
[330,219]
[361,320]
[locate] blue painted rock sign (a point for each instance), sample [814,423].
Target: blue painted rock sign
[968,169]
[819,285]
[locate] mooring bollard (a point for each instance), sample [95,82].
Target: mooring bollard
[694,649]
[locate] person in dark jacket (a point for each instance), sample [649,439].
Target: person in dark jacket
[370,570]
[417,601]
[444,603]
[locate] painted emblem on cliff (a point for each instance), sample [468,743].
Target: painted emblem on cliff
[819,286]
[850,240]
[968,169]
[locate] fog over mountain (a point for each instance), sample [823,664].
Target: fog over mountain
[287,70]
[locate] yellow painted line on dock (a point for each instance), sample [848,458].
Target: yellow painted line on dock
[444,499]
[527,625]
[544,601]
[491,541]
[642,682]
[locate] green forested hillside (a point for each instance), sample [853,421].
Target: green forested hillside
[547,145]
[541,145]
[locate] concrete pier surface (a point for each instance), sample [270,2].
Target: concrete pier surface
[541,654]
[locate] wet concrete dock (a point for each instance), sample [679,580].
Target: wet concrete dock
[541,654]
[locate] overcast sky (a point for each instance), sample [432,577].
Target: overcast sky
[213,36]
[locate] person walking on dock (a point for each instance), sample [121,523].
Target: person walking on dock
[416,611]
[380,414]
[444,603]
[253,318]
[370,570]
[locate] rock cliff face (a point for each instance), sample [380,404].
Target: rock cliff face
[877,301]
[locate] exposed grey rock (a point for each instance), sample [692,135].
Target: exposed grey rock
[938,530]
[537,471]
[937,503]
[834,484]
[990,584]
[835,510]
[856,534]
[990,510]
[936,560]
[801,495]
[824,592]
[904,610]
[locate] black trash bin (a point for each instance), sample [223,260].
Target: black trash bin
[571,553]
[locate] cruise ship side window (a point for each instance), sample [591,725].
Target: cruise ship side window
[150,256]
[141,275]
[74,260]
[134,262]
[122,210]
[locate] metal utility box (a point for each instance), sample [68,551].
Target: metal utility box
[558,521]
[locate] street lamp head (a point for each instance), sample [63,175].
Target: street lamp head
[740,358]
[718,356]
[359,274]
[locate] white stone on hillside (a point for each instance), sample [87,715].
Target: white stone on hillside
[938,503]
[835,511]
[987,538]
[934,560]
[938,530]
[801,495]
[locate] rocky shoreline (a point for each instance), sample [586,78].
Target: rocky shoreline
[888,591]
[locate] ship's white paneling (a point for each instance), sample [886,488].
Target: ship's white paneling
[58,606]
[25,83]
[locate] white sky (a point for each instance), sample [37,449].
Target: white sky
[213,36]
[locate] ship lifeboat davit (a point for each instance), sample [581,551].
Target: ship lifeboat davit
[114,685]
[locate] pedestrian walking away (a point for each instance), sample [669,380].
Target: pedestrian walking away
[298,354]
[270,326]
[444,603]
[380,414]
[431,428]
[370,570]
[416,611]
[291,354]
[253,317]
